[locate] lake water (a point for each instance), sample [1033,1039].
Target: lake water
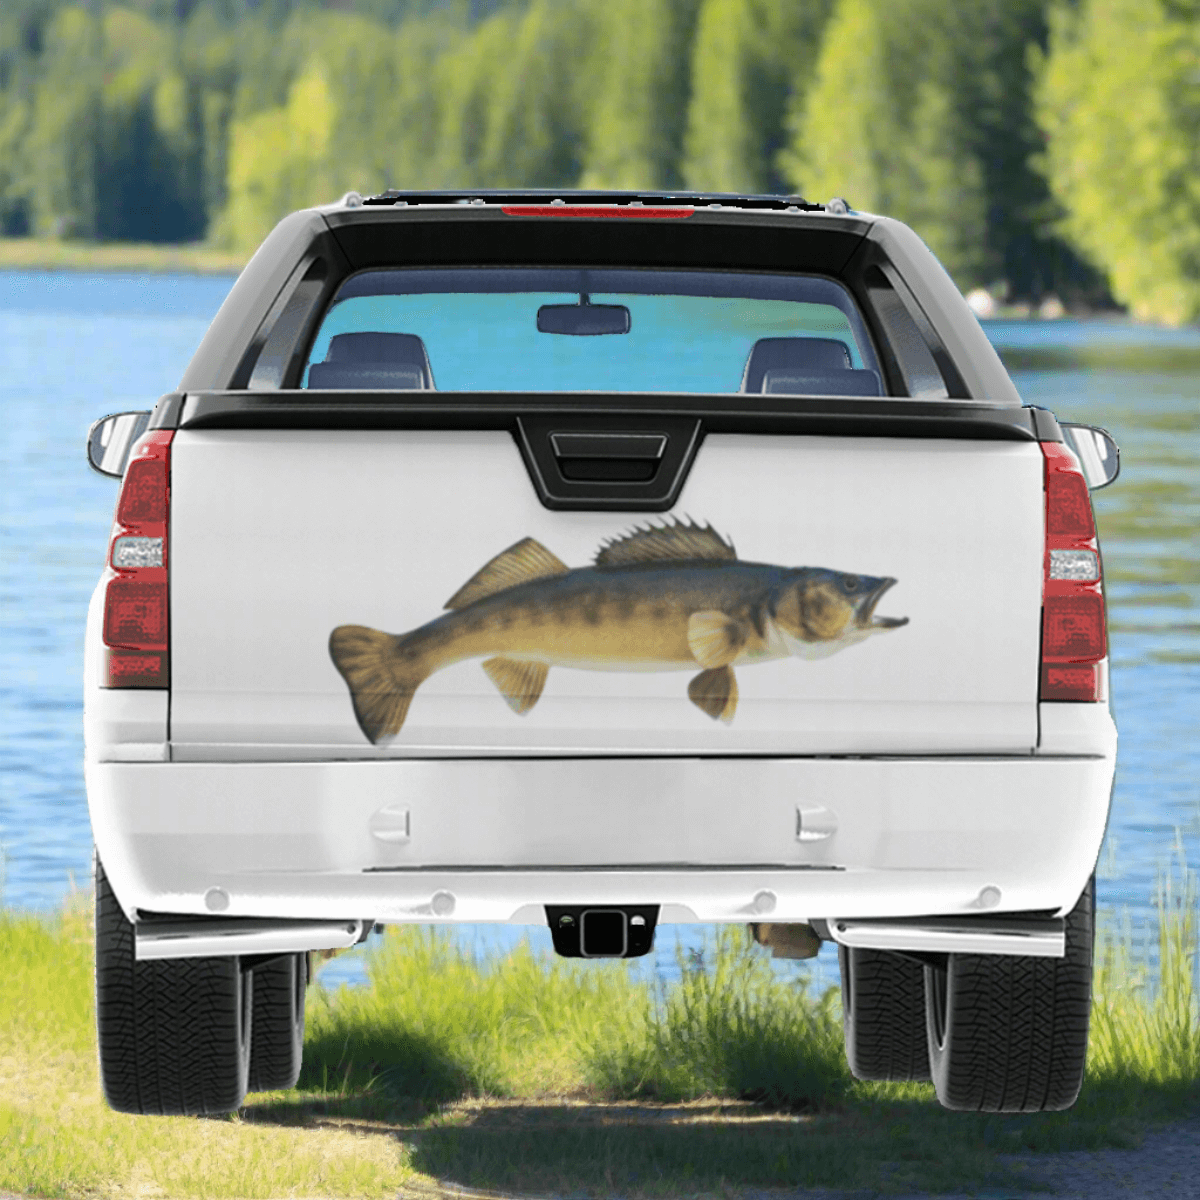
[77,346]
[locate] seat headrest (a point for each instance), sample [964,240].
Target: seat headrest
[400,353]
[799,355]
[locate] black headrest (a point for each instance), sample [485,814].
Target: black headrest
[799,355]
[376,354]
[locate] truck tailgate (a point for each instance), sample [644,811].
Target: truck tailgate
[279,537]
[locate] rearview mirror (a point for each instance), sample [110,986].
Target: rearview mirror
[111,438]
[1097,452]
[583,320]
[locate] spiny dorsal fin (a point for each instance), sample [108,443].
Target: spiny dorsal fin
[659,543]
[527,560]
[715,693]
[520,683]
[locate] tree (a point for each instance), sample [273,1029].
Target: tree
[1119,102]
[635,136]
[749,57]
[924,111]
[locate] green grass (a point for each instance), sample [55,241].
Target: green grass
[548,1075]
[48,254]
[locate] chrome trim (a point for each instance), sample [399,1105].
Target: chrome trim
[222,938]
[957,935]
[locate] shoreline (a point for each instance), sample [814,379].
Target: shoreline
[48,254]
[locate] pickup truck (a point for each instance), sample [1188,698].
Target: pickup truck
[599,561]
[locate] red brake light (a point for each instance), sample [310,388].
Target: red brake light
[596,210]
[1074,638]
[136,598]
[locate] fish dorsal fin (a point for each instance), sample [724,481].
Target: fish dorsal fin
[525,561]
[665,543]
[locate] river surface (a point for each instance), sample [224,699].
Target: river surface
[77,346]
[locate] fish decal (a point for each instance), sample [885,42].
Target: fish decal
[660,598]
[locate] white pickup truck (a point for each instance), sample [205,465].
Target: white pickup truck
[599,561]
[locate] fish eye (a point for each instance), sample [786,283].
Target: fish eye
[850,582]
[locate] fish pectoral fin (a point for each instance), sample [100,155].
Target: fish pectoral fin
[520,683]
[715,638]
[520,563]
[715,693]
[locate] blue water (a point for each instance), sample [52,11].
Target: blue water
[77,346]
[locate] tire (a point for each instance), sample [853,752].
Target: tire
[277,1044]
[174,1034]
[883,1014]
[1008,1033]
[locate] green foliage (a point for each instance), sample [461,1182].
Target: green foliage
[919,109]
[640,113]
[749,58]
[175,120]
[730,1028]
[1120,103]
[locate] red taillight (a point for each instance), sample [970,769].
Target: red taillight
[1074,639]
[143,492]
[136,597]
[135,614]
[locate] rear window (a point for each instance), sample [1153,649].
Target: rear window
[581,329]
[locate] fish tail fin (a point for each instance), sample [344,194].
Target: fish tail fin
[382,681]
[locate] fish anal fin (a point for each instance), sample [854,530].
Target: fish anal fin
[666,543]
[520,683]
[715,693]
[715,638]
[520,563]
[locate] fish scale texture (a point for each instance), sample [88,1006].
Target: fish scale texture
[170,1032]
[884,1024]
[1016,1028]
[277,1046]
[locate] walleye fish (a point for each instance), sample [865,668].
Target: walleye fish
[661,598]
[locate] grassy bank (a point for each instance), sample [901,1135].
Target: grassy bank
[46,254]
[551,1076]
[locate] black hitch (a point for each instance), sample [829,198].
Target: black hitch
[602,930]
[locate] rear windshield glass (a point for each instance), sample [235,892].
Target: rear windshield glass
[578,329]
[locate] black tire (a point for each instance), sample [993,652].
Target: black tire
[883,1014]
[1008,1033]
[277,1045]
[174,1034]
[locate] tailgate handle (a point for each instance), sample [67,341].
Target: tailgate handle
[591,462]
[608,457]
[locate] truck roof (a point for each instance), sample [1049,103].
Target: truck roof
[296,271]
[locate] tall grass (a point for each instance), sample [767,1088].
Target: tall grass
[1145,1031]
[518,1072]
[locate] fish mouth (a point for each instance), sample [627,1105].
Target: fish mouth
[866,614]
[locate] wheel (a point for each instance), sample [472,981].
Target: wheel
[883,1014]
[1008,1033]
[277,1044]
[174,1034]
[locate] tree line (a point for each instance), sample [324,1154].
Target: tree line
[1039,146]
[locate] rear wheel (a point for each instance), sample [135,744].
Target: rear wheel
[174,1034]
[1008,1033]
[277,1045]
[883,1014]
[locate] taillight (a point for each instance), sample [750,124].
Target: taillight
[1074,639]
[135,600]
